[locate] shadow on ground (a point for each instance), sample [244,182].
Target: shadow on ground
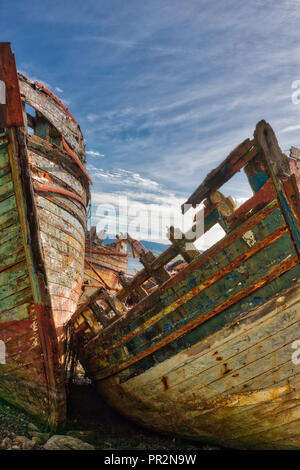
[92,420]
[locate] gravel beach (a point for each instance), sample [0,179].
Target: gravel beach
[91,424]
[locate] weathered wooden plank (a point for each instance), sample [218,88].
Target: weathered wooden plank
[265,195]
[235,339]
[216,178]
[15,300]
[8,212]
[281,375]
[60,240]
[72,206]
[63,303]
[185,247]
[238,371]
[22,381]
[4,159]
[59,217]
[10,278]
[17,313]
[6,191]
[200,334]
[63,280]
[11,113]
[69,266]
[60,290]
[277,161]
[60,158]
[107,264]
[186,416]
[61,253]
[295,153]
[271,274]
[11,252]
[205,267]
[9,233]
[4,179]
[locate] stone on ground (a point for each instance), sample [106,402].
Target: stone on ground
[58,442]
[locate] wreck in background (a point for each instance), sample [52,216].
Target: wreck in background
[44,192]
[103,264]
[207,354]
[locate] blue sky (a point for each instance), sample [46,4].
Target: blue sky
[163,90]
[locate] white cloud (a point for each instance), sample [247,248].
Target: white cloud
[123,178]
[92,117]
[172,90]
[290,128]
[143,207]
[176,117]
[66,102]
[93,153]
[58,90]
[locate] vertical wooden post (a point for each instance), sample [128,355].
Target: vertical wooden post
[136,293]
[100,314]
[11,113]
[279,169]
[160,274]
[178,239]
[115,304]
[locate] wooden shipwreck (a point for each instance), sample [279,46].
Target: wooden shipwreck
[44,192]
[208,354]
[104,265]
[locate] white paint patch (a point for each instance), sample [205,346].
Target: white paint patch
[249,238]
[2,92]
[2,352]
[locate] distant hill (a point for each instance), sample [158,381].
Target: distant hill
[155,247]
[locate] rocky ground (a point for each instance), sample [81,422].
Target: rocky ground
[91,425]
